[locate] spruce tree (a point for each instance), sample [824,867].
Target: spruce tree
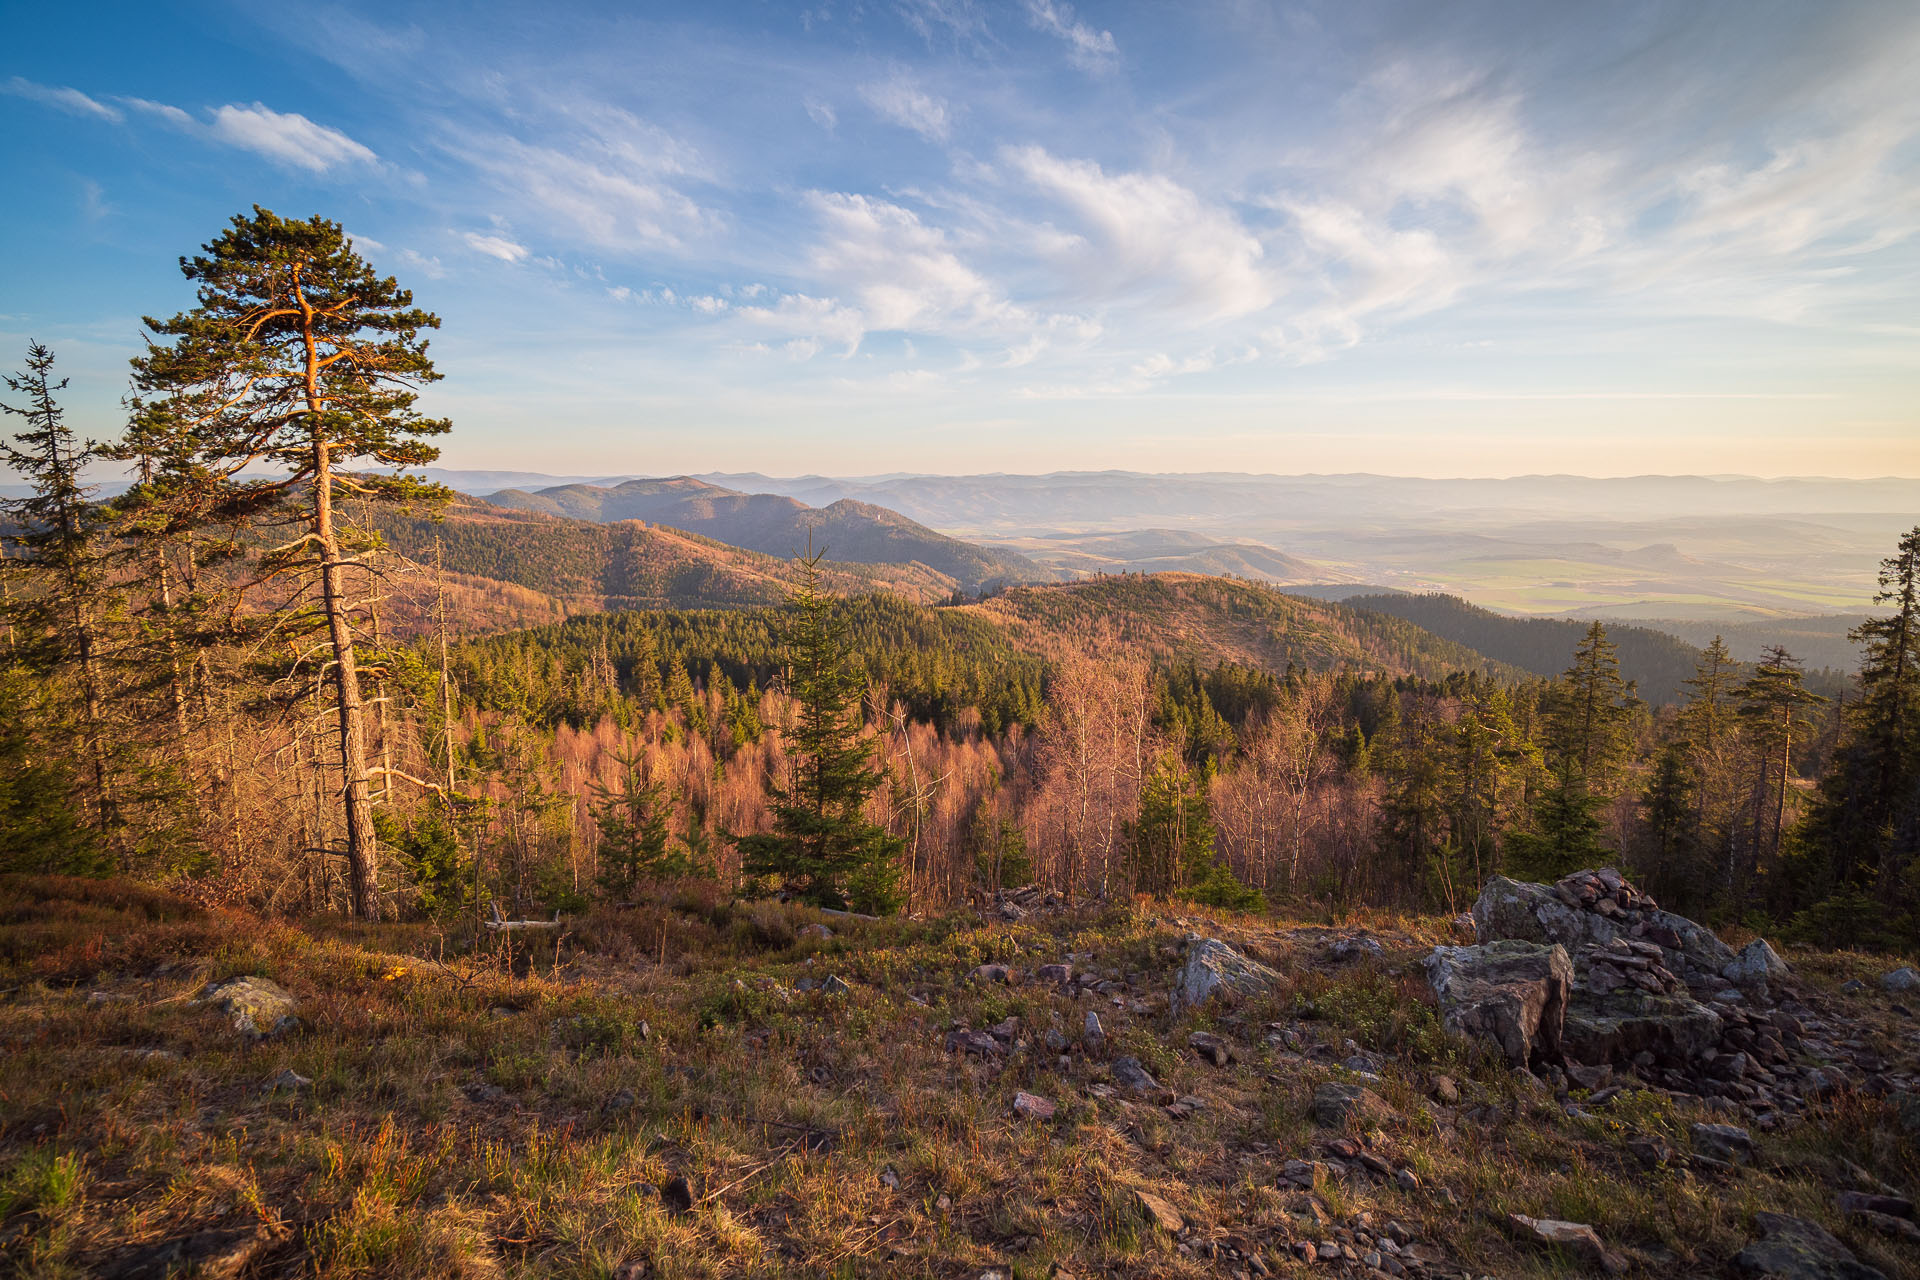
[300,358]
[1772,703]
[822,847]
[1863,830]
[635,845]
[58,531]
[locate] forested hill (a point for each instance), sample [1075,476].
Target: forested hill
[1660,663]
[1226,620]
[848,531]
[517,568]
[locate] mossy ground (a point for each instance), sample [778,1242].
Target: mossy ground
[529,1112]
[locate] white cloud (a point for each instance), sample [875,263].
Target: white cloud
[287,137]
[1087,48]
[496,247]
[613,178]
[959,20]
[903,102]
[821,113]
[167,114]
[810,319]
[60,98]
[1144,233]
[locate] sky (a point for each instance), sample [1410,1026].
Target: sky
[965,236]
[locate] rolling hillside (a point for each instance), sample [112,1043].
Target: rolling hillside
[1657,661]
[1214,620]
[516,568]
[849,531]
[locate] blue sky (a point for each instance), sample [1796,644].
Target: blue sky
[958,236]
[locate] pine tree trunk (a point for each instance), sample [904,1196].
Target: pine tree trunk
[363,850]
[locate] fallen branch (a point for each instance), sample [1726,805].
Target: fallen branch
[500,924]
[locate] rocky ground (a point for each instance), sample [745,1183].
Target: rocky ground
[1569,1082]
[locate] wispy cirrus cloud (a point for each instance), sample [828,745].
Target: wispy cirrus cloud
[1087,47]
[901,100]
[496,247]
[60,98]
[284,137]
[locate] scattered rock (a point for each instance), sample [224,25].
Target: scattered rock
[1031,1106]
[1756,963]
[1160,1213]
[835,986]
[814,933]
[978,1043]
[1129,1074]
[1651,1150]
[1335,1104]
[1794,1249]
[1616,1026]
[1576,1237]
[1211,1047]
[1213,969]
[1356,947]
[1513,993]
[1727,1143]
[993,973]
[1446,1091]
[1093,1036]
[1901,980]
[1058,974]
[287,1081]
[259,1007]
[1868,1202]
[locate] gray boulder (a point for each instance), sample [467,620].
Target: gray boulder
[258,1007]
[1794,1249]
[1334,1104]
[1757,964]
[1614,1026]
[1513,993]
[1571,913]
[1901,980]
[1215,970]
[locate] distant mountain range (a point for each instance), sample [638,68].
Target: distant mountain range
[846,530]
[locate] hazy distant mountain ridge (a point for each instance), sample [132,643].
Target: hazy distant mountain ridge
[847,530]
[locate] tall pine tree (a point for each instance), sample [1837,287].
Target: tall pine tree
[300,358]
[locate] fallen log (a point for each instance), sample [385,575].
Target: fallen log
[500,924]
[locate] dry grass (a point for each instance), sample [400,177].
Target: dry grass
[550,1114]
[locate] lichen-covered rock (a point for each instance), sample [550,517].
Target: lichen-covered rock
[1582,910]
[1334,1104]
[1513,993]
[259,1007]
[1214,969]
[1614,1026]
[1794,1249]
[1901,980]
[1757,964]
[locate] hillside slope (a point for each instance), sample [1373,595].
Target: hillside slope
[518,568]
[1657,661]
[850,531]
[1214,620]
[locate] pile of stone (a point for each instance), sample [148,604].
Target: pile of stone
[1018,904]
[1625,962]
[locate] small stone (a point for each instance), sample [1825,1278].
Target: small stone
[677,1196]
[1054,973]
[1031,1106]
[1650,1150]
[1446,1091]
[288,1081]
[996,973]
[1407,1180]
[1335,1104]
[1162,1214]
[814,933]
[1868,1202]
[1792,1248]
[1575,1236]
[1901,980]
[890,1178]
[978,1043]
[1130,1075]
[1350,949]
[1852,987]
[1211,1047]
[1727,1143]
[1093,1036]
[258,1007]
